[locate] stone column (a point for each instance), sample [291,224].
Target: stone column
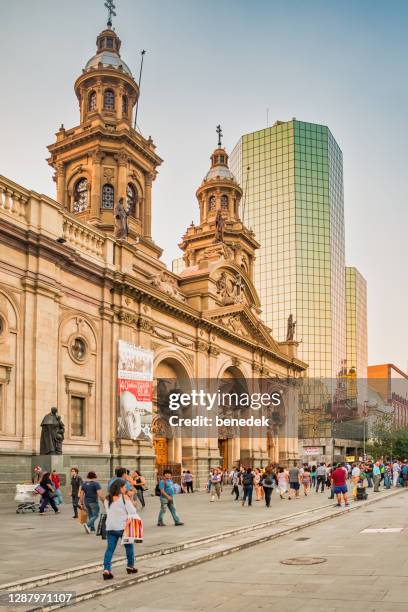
[147,220]
[60,176]
[122,176]
[96,203]
[99,96]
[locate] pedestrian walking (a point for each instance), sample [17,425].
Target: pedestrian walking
[369,473]
[294,482]
[396,469]
[166,488]
[321,475]
[235,483]
[119,509]
[313,475]
[48,496]
[188,480]
[283,482]
[306,480]
[248,484]
[338,479]
[140,484]
[91,493]
[267,483]
[404,473]
[376,476]
[259,490]
[57,487]
[216,478]
[355,477]
[76,482]
[387,475]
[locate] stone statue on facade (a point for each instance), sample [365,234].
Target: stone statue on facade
[290,334]
[52,434]
[121,216]
[219,227]
[166,283]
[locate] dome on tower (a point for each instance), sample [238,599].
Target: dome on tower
[107,55]
[219,166]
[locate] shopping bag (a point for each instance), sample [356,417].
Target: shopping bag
[101,528]
[39,489]
[133,531]
[82,516]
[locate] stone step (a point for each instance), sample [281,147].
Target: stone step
[158,563]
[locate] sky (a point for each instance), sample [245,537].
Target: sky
[342,63]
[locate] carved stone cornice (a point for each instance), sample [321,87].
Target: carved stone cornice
[127,317]
[145,324]
[201,346]
[213,350]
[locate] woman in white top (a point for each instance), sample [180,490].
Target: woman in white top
[119,509]
[283,481]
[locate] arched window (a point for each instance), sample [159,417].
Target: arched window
[124,105]
[81,195]
[211,203]
[109,100]
[108,196]
[131,199]
[224,202]
[92,101]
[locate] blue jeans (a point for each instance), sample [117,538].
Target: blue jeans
[248,494]
[93,512]
[165,503]
[112,538]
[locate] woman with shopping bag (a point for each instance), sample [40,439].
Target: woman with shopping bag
[122,523]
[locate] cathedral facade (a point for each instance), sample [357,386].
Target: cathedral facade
[82,272]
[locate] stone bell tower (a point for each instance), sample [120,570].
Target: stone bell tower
[103,162]
[220,233]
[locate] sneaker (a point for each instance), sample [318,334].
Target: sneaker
[178,524]
[87,528]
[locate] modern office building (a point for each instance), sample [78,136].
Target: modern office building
[292,180]
[356,323]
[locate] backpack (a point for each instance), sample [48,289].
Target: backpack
[157,488]
[247,479]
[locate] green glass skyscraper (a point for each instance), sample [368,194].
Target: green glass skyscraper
[292,178]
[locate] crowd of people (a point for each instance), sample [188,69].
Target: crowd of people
[124,493]
[290,482]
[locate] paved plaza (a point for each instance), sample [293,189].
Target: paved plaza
[362,572]
[68,545]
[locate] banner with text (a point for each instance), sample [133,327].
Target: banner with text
[135,383]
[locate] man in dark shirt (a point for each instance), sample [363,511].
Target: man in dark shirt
[76,482]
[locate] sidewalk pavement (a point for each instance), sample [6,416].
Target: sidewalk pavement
[34,544]
[361,572]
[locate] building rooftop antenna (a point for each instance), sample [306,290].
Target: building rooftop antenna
[111,12]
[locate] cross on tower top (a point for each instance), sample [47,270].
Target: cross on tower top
[220,134]
[111,12]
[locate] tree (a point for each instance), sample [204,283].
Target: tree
[386,440]
[381,436]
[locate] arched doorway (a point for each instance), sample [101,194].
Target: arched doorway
[170,377]
[231,447]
